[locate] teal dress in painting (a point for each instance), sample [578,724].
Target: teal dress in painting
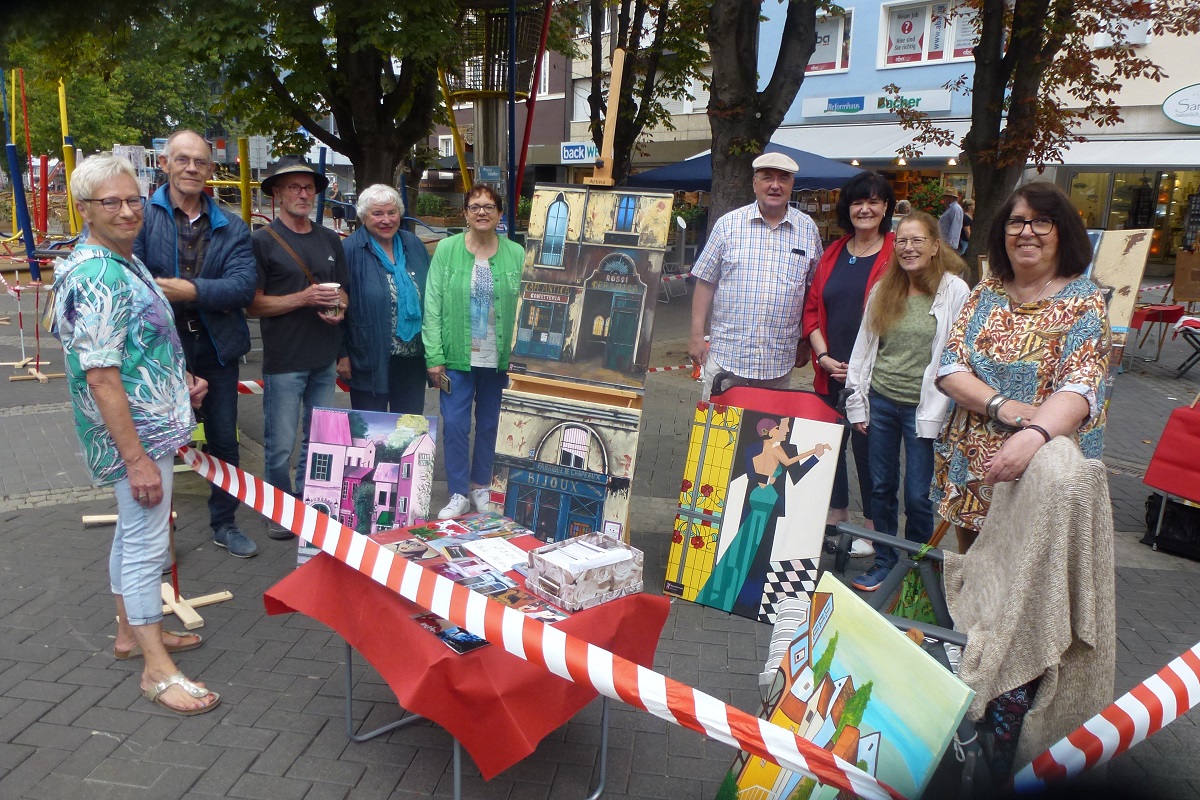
[726,580]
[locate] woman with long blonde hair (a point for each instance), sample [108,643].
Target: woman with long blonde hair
[894,399]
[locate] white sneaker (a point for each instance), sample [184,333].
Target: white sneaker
[481,498]
[457,506]
[860,548]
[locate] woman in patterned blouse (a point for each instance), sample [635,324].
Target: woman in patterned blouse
[1027,358]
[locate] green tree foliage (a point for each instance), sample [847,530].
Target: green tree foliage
[364,505]
[664,49]
[728,789]
[1038,77]
[287,64]
[927,196]
[358,426]
[804,789]
[855,708]
[821,668]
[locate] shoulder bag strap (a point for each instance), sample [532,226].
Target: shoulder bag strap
[288,249]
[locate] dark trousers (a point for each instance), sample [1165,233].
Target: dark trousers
[407,382]
[840,497]
[218,412]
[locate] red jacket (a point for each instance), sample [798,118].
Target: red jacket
[814,300]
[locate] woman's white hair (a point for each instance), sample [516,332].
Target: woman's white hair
[97,170]
[378,194]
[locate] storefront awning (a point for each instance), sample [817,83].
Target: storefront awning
[866,141]
[1180,152]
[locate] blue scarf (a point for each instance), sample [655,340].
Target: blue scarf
[408,299]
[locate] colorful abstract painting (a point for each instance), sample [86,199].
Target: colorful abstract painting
[369,470]
[752,502]
[855,685]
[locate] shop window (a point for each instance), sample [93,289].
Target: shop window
[1089,194]
[926,33]
[833,44]
[555,239]
[574,451]
[626,211]
[598,325]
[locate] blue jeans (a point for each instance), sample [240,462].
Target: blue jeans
[140,546]
[407,381]
[893,424]
[219,413]
[288,401]
[482,387]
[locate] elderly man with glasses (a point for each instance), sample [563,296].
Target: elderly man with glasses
[201,259]
[301,300]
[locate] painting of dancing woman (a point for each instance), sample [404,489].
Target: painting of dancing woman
[768,468]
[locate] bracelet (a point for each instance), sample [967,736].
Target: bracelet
[821,355]
[992,407]
[1045,433]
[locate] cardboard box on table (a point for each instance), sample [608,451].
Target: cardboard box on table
[590,587]
[569,422]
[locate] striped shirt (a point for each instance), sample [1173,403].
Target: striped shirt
[761,274]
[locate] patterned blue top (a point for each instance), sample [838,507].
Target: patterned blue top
[108,312]
[761,274]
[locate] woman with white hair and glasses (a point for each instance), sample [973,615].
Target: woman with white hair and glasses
[133,409]
[383,357]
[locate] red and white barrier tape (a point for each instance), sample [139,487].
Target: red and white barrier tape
[1143,711]
[1154,288]
[679,277]
[669,369]
[560,653]
[256,387]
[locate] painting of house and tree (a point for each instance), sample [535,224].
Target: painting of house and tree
[853,684]
[371,471]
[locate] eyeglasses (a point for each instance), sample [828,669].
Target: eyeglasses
[202,164]
[917,241]
[475,208]
[113,204]
[301,188]
[1015,226]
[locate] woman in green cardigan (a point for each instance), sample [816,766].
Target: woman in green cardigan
[470,305]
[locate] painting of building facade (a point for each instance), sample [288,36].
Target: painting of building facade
[564,467]
[856,686]
[593,259]
[371,471]
[750,523]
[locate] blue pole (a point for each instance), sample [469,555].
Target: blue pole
[14,167]
[321,195]
[511,201]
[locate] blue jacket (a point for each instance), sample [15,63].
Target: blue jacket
[368,325]
[227,278]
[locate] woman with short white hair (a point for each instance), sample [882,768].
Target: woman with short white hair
[383,358]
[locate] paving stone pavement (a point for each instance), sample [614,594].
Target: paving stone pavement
[72,723]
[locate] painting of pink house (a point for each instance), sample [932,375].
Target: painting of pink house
[369,470]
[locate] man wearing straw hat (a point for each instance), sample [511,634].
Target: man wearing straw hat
[201,259]
[301,299]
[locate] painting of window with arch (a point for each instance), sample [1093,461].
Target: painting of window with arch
[593,260]
[563,467]
[369,470]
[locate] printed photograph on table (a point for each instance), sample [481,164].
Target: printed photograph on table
[454,637]
[751,517]
[856,686]
[593,260]
[370,471]
[563,467]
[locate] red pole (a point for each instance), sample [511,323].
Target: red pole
[531,101]
[28,147]
[44,171]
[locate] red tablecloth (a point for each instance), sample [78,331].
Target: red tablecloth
[497,705]
[1173,467]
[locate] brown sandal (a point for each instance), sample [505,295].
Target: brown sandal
[154,695]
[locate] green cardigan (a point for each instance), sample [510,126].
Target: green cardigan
[446,325]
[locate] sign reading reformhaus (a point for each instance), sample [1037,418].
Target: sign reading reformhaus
[875,103]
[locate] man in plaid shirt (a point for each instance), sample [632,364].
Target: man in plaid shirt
[752,276]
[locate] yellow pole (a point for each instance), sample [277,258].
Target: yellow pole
[68,158]
[602,174]
[244,177]
[460,150]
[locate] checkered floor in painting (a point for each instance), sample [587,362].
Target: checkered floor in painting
[787,579]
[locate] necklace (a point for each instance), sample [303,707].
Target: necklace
[1038,296]
[863,252]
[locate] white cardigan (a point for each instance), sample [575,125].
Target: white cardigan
[932,409]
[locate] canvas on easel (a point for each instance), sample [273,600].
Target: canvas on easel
[856,686]
[1117,266]
[369,470]
[751,517]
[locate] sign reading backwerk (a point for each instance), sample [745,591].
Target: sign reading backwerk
[578,153]
[1184,106]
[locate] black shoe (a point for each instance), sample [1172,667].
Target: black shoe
[279,533]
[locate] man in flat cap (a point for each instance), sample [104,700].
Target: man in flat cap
[752,276]
[951,221]
[301,297]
